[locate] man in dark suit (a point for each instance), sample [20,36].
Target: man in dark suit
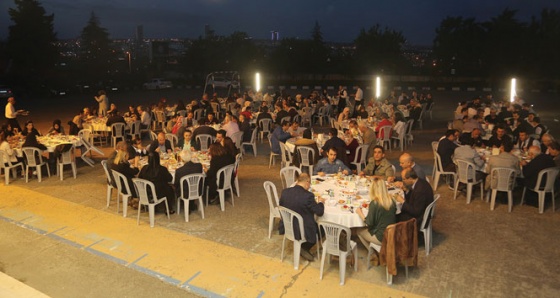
[202,130]
[161,145]
[418,196]
[187,169]
[333,142]
[302,201]
[538,163]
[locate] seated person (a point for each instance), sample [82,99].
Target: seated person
[161,178]
[472,137]
[497,139]
[524,141]
[306,141]
[537,162]
[202,130]
[554,152]
[210,119]
[378,166]
[245,127]
[418,195]
[294,129]
[56,128]
[334,141]
[219,158]
[445,149]
[161,145]
[467,152]
[280,135]
[121,165]
[29,127]
[137,148]
[351,146]
[187,141]
[382,213]
[503,160]
[330,164]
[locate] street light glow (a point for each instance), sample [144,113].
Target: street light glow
[258,82]
[377,87]
[513,88]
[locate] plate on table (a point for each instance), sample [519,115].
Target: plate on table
[344,207]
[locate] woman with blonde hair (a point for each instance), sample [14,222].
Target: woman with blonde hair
[381,214]
[121,165]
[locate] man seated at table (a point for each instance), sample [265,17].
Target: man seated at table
[161,145]
[188,168]
[330,164]
[230,125]
[294,129]
[302,201]
[220,137]
[503,160]
[406,161]
[497,139]
[280,134]
[210,119]
[378,166]
[445,149]
[418,195]
[524,141]
[384,122]
[467,152]
[537,162]
[472,137]
[114,117]
[334,141]
[368,137]
[203,130]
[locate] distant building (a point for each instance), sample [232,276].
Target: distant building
[139,33]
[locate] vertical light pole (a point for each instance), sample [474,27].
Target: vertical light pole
[129,63]
[257,82]
[377,88]
[512,90]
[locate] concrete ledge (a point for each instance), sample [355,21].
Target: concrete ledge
[11,287]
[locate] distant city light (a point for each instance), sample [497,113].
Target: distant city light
[377,87]
[513,94]
[258,82]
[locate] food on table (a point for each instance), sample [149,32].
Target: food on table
[341,201]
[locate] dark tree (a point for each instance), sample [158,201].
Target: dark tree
[379,50]
[96,54]
[31,40]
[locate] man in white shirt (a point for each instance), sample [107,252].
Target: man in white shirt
[358,97]
[11,113]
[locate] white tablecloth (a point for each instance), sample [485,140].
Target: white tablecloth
[344,192]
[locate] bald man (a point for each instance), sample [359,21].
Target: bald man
[407,162]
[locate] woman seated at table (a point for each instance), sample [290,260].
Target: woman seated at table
[229,145]
[178,124]
[31,141]
[121,165]
[56,128]
[132,113]
[362,113]
[6,149]
[381,214]
[29,127]
[161,178]
[219,158]
[345,115]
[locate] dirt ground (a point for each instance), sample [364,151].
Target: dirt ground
[476,252]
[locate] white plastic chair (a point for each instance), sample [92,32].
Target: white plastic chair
[286,155]
[153,136]
[123,191]
[204,140]
[361,151]
[429,110]
[100,136]
[237,138]
[399,136]
[34,160]
[288,175]
[331,247]
[273,204]
[88,149]
[195,183]
[264,125]
[420,118]
[288,220]
[272,154]
[67,157]
[7,166]
[235,173]
[409,138]
[504,181]
[117,132]
[108,179]
[386,139]
[142,186]
[321,114]
[434,152]
[161,120]
[226,172]
[172,139]
[305,160]
[426,227]
[438,171]
[198,114]
[135,129]
[466,174]
[551,174]
[252,143]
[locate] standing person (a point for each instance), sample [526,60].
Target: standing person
[358,100]
[302,201]
[11,113]
[382,213]
[342,97]
[103,101]
[161,178]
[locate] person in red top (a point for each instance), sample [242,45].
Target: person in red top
[247,113]
[384,122]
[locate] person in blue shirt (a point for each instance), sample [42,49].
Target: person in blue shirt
[330,164]
[280,134]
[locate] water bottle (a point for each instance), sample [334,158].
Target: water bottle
[339,171]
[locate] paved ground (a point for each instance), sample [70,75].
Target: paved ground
[477,252]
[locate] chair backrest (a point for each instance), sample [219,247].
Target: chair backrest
[385,132]
[160,116]
[322,111]
[4,159]
[182,113]
[306,110]
[142,187]
[288,175]
[438,162]
[286,155]
[226,172]
[238,158]
[198,114]
[172,139]
[214,107]
[32,156]
[504,179]
[288,217]
[66,153]
[435,145]
[107,174]
[409,123]
[85,134]
[332,236]
[237,138]
[465,171]
[428,213]
[297,118]
[153,136]
[287,119]
[271,191]
[121,182]
[361,152]
[265,124]
[194,182]
[117,129]
[333,123]
[304,154]
[231,106]
[551,174]
[254,136]
[204,140]
[135,127]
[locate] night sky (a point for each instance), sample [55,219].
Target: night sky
[339,20]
